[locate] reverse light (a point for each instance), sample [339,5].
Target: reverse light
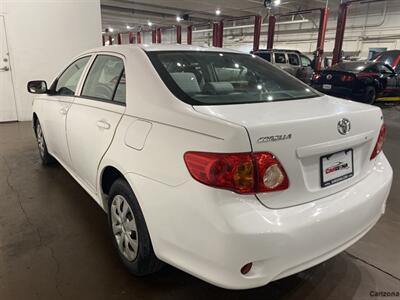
[243,173]
[379,143]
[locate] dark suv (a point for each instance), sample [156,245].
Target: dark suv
[291,61]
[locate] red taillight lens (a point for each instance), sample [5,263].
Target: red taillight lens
[379,142]
[316,76]
[240,172]
[346,77]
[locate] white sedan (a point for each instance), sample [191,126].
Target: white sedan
[214,161]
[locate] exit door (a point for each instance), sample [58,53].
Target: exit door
[8,111]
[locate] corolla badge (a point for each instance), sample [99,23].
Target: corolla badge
[329,76]
[343,126]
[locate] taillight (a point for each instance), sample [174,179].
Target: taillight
[242,173]
[346,77]
[379,142]
[316,76]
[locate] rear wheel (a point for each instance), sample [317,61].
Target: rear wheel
[45,156]
[370,95]
[129,232]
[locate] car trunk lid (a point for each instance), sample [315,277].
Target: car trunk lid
[299,133]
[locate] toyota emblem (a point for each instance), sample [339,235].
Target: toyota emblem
[343,126]
[329,76]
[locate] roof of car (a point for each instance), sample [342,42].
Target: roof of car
[161,47]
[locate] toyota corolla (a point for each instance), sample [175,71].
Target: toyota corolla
[214,161]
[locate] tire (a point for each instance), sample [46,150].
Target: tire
[45,156]
[128,230]
[370,95]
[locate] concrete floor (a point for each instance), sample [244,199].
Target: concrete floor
[54,242]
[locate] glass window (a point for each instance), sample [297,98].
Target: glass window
[280,58]
[68,81]
[384,69]
[212,78]
[293,59]
[264,55]
[103,77]
[120,93]
[305,61]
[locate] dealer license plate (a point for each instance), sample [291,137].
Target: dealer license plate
[336,167]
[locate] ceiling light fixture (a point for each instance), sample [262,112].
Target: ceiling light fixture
[149,23]
[128,27]
[178,19]
[111,29]
[218,12]
[277,2]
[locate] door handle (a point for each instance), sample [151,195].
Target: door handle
[103,124]
[63,111]
[5,69]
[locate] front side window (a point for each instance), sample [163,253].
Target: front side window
[103,78]
[305,61]
[293,59]
[212,78]
[280,58]
[69,79]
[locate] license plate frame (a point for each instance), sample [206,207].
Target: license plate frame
[338,161]
[327,86]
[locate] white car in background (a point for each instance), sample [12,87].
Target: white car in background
[214,161]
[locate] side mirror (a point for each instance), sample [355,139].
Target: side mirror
[37,87]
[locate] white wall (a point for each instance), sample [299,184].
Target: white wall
[43,36]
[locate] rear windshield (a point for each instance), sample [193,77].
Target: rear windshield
[388,57]
[212,78]
[350,67]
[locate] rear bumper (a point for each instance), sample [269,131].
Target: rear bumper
[212,233]
[342,92]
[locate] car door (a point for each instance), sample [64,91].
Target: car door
[55,106]
[389,79]
[95,114]
[306,69]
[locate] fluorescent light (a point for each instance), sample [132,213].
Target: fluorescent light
[149,23]
[218,12]
[128,27]
[178,19]
[277,2]
[111,29]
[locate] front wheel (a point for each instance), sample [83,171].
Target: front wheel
[370,95]
[129,232]
[45,156]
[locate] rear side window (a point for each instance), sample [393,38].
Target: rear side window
[104,79]
[280,58]
[293,59]
[68,81]
[213,78]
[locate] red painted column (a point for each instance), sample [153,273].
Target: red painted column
[119,39]
[189,34]
[103,38]
[271,32]
[323,22]
[220,34]
[139,37]
[154,36]
[110,40]
[178,34]
[257,33]
[341,26]
[131,38]
[215,38]
[158,35]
